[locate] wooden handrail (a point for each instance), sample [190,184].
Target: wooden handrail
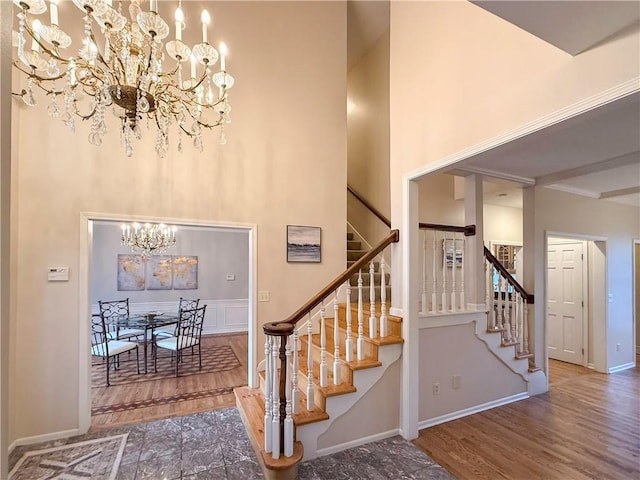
[373,209]
[469,230]
[285,327]
[505,273]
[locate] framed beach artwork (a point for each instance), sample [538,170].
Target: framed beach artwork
[303,244]
[130,272]
[454,251]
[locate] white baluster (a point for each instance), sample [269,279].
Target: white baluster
[349,341]
[295,392]
[463,300]
[499,313]
[454,269]
[423,308]
[508,323]
[372,301]
[324,369]
[525,326]
[445,306]
[434,294]
[310,405]
[360,341]
[268,407]
[275,422]
[488,300]
[383,299]
[336,342]
[288,420]
[518,316]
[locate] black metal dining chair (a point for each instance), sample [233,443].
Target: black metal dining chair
[114,308]
[107,348]
[170,331]
[188,335]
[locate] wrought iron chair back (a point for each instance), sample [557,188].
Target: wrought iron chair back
[188,335]
[187,304]
[115,308]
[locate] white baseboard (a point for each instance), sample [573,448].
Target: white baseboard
[620,368]
[47,437]
[471,410]
[356,443]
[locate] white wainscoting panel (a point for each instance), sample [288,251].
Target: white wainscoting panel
[222,316]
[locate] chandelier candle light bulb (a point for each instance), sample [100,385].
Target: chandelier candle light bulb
[35,46]
[179,16]
[205,23]
[223,55]
[53,8]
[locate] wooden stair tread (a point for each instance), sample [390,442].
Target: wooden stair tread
[366,309]
[330,390]
[250,402]
[388,340]
[304,416]
[523,355]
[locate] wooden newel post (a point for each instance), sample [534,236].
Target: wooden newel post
[282,330]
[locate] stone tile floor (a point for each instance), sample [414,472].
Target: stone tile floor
[214,445]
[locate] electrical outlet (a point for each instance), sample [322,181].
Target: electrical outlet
[263,296]
[455,381]
[436,389]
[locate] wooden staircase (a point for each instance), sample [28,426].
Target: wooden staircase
[251,402]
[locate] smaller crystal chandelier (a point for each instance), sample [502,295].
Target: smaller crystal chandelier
[148,239]
[124,69]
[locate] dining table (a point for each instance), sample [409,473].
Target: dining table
[147,321]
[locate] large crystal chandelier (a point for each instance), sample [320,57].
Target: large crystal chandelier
[148,239]
[124,70]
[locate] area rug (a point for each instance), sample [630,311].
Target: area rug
[215,358]
[153,402]
[96,459]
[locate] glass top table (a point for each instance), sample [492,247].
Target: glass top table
[146,321]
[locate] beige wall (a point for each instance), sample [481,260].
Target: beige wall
[285,163]
[637,294]
[368,140]
[437,204]
[5,224]
[617,225]
[455,350]
[377,412]
[461,75]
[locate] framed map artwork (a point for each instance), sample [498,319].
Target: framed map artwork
[130,272]
[185,272]
[159,272]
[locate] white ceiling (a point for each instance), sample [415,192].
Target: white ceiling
[596,154]
[573,26]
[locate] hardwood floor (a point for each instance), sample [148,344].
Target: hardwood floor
[157,399]
[586,427]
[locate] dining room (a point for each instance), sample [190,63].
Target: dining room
[174,311]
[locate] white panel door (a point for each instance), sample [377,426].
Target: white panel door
[565,302]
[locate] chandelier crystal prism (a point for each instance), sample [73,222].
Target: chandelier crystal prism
[148,239]
[126,73]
